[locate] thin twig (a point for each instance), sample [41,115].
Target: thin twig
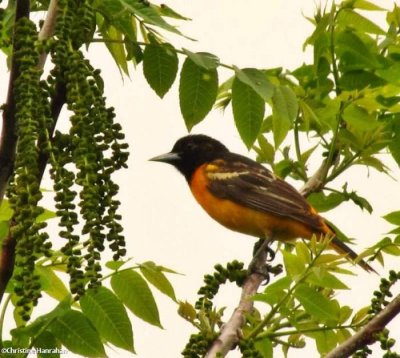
[47,29]
[367,334]
[59,97]
[57,103]
[316,182]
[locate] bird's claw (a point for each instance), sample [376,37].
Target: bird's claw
[266,271]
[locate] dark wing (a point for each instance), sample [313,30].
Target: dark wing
[248,183]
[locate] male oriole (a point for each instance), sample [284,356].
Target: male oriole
[244,196]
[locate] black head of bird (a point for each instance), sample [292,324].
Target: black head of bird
[192,151]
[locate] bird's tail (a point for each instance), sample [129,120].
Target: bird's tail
[340,247]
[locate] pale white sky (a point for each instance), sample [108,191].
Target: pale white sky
[172,229]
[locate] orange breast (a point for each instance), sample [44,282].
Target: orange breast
[242,219]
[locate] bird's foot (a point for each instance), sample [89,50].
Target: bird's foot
[262,254]
[266,270]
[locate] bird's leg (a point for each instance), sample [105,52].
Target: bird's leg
[264,245]
[262,254]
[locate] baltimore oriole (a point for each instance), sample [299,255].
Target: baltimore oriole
[244,196]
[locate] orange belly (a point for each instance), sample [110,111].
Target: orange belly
[239,218]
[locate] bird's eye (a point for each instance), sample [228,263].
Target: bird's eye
[191,146]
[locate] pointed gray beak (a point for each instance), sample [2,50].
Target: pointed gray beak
[169,158]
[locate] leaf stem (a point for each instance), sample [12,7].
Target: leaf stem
[140,43]
[343,166]
[301,172]
[335,70]
[306,330]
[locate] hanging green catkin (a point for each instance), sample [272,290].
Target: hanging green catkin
[82,160]
[24,189]
[93,150]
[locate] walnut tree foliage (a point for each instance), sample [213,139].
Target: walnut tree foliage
[341,109]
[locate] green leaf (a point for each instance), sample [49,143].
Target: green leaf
[115,265]
[4,226]
[324,279]
[248,111]
[343,335]
[374,163]
[134,292]
[283,168]
[308,115]
[366,5]
[134,52]
[155,276]
[316,304]
[303,252]
[360,79]
[32,329]
[51,283]
[323,202]
[284,112]
[274,292]
[113,40]
[108,315]
[360,119]
[257,80]
[165,10]
[198,89]
[325,340]
[160,66]
[6,212]
[295,267]
[324,259]
[264,347]
[148,12]
[354,53]
[46,342]
[306,154]
[327,114]
[352,19]
[390,74]
[320,29]
[360,201]
[393,217]
[267,150]
[392,250]
[345,314]
[76,333]
[394,145]
[187,311]
[46,215]
[205,60]
[360,315]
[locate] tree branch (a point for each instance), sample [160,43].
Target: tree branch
[230,332]
[367,334]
